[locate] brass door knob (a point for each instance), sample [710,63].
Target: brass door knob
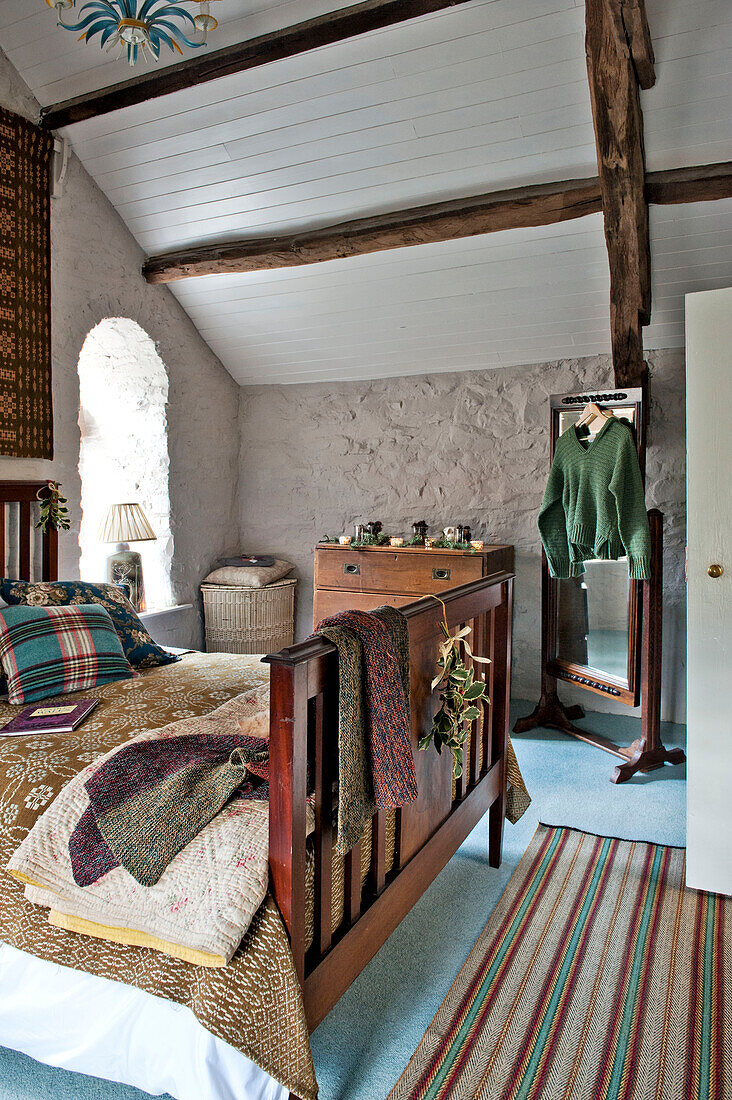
[715,571]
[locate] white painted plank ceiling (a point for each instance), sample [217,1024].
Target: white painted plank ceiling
[57,67]
[491,94]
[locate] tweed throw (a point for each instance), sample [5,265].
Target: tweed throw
[50,650]
[594,504]
[380,681]
[518,798]
[599,976]
[153,797]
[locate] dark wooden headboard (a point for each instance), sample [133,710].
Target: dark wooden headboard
[26,553]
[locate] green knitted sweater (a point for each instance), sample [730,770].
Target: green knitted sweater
[594,505]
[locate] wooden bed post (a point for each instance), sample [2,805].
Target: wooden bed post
[500,703]
[287,799]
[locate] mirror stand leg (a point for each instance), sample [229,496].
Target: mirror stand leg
[646,760]
[550,712]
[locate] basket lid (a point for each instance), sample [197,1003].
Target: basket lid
[248,588]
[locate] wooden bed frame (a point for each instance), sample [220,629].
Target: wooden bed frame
[303,742]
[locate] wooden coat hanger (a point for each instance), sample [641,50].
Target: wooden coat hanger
[593,417]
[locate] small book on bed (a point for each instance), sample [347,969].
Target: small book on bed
[51,718]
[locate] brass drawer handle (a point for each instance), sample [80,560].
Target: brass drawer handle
[440,574]
[715,571]
[352,568]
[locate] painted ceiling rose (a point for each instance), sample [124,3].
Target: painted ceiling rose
[140,27]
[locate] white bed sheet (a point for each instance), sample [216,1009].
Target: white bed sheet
[92,1025]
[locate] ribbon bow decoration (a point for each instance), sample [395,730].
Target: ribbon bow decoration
[454,640]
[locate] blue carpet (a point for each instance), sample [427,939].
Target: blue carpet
[364,1044]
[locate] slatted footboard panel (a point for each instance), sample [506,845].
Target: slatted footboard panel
[26,552]
[384,875]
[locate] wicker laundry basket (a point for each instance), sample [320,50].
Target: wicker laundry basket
[249,620]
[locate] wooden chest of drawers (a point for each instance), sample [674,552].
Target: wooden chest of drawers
[362,579]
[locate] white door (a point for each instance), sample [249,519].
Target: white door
[709,631]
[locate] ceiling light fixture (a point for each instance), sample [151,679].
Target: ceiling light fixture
[140,27]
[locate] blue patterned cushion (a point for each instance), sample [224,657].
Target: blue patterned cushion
[139,648]
[54,650]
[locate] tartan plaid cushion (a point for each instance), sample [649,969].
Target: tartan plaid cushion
[54,650]
[139,648]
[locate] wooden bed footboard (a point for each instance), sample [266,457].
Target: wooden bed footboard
[304,744]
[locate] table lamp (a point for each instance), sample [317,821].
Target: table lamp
[126,523]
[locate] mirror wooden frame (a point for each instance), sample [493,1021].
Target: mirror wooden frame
[586,676]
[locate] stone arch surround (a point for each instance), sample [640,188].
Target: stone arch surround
[123,390]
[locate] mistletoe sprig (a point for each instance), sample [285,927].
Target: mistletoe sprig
[54,513]
[450,544]
[366,540]
[459,694]
[371,540]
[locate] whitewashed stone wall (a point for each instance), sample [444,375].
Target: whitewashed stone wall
[470,447]
[96,274]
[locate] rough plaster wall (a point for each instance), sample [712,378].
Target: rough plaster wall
[96,274]
[471,448]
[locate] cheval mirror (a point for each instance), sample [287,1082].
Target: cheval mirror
[602,631]
[594,621]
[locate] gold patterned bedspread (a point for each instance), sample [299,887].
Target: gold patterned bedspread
[254,1003]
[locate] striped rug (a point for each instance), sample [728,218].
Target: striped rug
[598,977]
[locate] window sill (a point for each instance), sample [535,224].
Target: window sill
[172,626]
[163,612]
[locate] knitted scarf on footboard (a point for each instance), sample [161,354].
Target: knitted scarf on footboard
[376,765]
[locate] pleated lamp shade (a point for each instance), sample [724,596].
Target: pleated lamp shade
[126,523]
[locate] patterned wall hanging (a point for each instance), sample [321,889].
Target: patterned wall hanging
[26,416]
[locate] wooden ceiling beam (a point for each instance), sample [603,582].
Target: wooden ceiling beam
[618,123]
[702,183]
[541,204]
[324,30]
[520,207]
